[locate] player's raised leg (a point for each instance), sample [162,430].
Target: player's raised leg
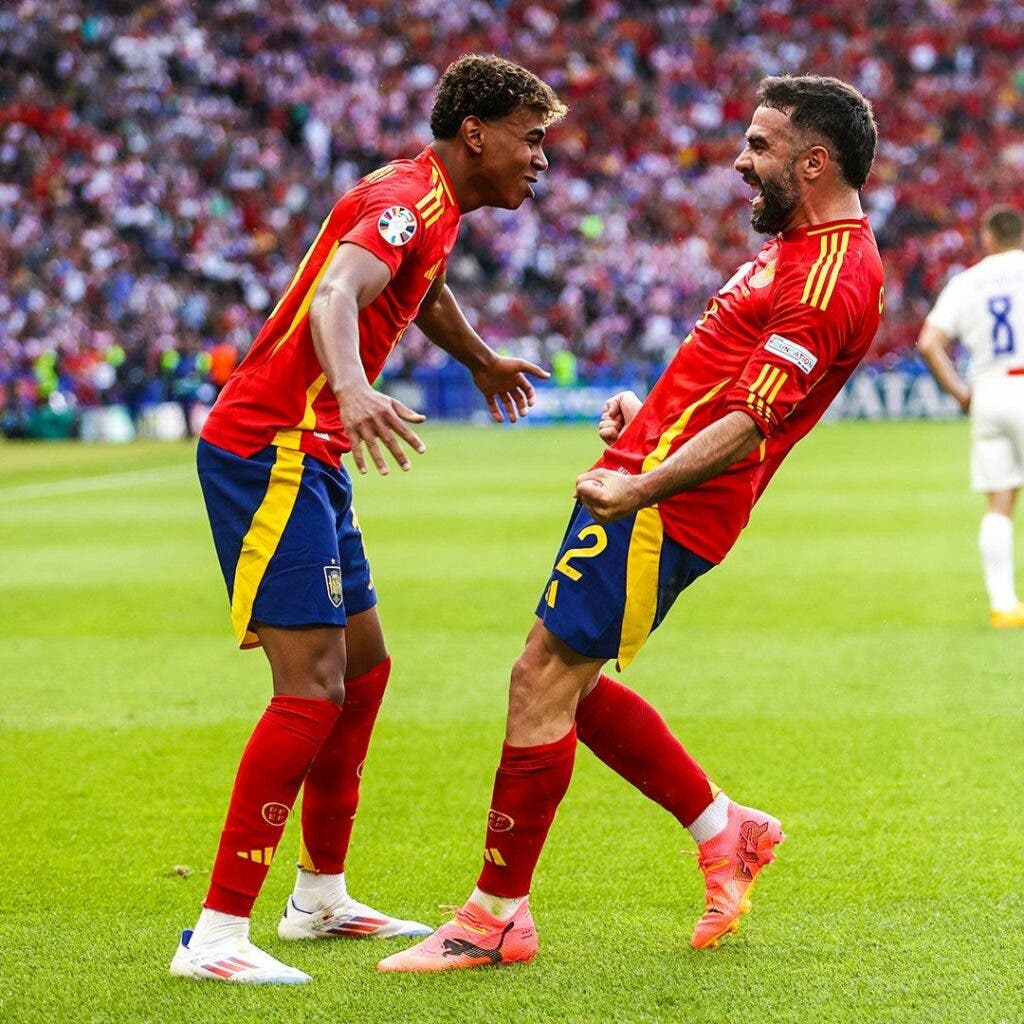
[734,842]
[320,906]
[308,667]
[495,925]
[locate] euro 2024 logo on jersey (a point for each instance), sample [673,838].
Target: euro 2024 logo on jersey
[397,225]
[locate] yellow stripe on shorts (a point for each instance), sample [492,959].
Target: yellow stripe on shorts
[260,542]
[643,563]
[643,560]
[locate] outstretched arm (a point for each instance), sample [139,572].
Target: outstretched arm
[500,379]
[353,279]
[932,344]
[608,495]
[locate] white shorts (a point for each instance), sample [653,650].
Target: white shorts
[997,422]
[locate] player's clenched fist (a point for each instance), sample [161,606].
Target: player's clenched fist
[371,418]
[608,496]
[617,412]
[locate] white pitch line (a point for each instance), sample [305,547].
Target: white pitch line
[82,484]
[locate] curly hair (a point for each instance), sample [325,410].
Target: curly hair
[832,110]
[489,87]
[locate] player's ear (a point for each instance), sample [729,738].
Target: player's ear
[815,160]
[471,131]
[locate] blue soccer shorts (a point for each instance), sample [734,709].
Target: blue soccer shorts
[288,542]
[612,585]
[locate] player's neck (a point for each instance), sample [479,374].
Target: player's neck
[825,209]
[459,174]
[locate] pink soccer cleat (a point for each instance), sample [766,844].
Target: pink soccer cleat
[472,939]
[731,862]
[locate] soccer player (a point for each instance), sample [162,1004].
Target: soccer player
[280,503]
[665,503]
[983,306]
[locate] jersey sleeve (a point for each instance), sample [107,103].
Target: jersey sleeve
[799,342]
[388,225]
[945,314]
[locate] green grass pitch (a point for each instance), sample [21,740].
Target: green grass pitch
[838,670]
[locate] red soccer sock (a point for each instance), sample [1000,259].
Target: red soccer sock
[528,787]
[273,765]
[626,732]
[331,792]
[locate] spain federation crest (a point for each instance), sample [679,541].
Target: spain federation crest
[397,225]
[332,574]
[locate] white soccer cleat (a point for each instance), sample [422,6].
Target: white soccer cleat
[233,960]
[345,920]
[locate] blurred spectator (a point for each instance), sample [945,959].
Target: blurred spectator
[163,167]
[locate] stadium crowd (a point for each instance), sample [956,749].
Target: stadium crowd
[163,166]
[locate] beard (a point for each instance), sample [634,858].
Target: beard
[780,198]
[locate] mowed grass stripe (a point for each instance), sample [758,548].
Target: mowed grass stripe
[837,669]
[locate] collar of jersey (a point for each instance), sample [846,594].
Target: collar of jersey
[796,234]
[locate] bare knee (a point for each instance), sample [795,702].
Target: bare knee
[327,676]
[306,663]
[527,692]
[543,692]
[1002,502]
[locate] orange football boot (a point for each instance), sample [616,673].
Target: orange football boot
[731,862]
[472,939]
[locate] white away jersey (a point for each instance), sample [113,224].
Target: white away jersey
[983,306]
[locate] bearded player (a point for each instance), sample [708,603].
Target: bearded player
[280,504]
[666,503]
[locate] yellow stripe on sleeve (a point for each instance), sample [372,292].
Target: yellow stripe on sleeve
[262,538]
[760,378]
[763,390]
[783,377]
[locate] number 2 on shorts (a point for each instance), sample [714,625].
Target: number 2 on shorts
[600,543]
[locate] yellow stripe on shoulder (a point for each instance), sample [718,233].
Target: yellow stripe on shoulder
[379,175]
[825,272]
[437,175]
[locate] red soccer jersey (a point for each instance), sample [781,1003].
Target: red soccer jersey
[406,215]
[778,342]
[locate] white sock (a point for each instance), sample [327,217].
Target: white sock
[711,820]
[214,927]
[496,906]
[317,891]
[995,542]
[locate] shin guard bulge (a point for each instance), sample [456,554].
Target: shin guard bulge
[274,763]
[331,792]
[528,787]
